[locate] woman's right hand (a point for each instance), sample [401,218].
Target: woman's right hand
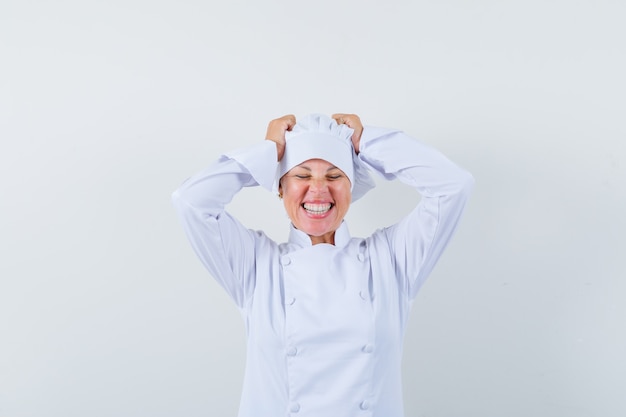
[276,132]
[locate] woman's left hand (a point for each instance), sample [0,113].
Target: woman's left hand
[353,122]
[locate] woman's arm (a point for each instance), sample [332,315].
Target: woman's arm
[225,247]
[223,244]
[418,240]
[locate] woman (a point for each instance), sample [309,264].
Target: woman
[325,313]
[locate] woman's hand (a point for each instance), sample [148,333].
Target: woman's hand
[276,132]
[353,122]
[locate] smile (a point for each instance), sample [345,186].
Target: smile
[317,208]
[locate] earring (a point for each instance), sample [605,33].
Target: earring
[280,195]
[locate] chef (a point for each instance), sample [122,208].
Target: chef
[325,313]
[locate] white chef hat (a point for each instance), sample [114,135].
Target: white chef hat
[317,136]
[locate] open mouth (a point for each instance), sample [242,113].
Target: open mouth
[317,209]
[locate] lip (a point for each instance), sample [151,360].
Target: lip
[317,215]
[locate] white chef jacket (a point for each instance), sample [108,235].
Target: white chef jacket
[325,324]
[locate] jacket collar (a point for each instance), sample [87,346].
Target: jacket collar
[301,239]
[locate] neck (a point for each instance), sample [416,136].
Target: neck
[327,238]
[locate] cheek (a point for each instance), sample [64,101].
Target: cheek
[344,189]
[343,196]
[291,193]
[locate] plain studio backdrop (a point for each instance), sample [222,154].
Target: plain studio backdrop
[107,106]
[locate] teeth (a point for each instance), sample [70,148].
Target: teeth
[317,208]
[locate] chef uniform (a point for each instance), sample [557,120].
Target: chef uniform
[325,323]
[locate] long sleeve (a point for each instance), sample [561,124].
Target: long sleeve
[418,240]
[225,246]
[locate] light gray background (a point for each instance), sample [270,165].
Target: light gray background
[106,107]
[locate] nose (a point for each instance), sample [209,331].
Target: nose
[318,185]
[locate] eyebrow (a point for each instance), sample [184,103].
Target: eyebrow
[309,169]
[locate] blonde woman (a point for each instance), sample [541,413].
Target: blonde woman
[325,312]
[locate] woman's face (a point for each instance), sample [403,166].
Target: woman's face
[317,196]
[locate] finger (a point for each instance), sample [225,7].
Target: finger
[290,119]
[339,118]
[352,120]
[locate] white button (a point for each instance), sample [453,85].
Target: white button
[360,257]
[365,405]
[285,260]
[292,351]
[294,408]
[363,295]
[290,301]
[368,348]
